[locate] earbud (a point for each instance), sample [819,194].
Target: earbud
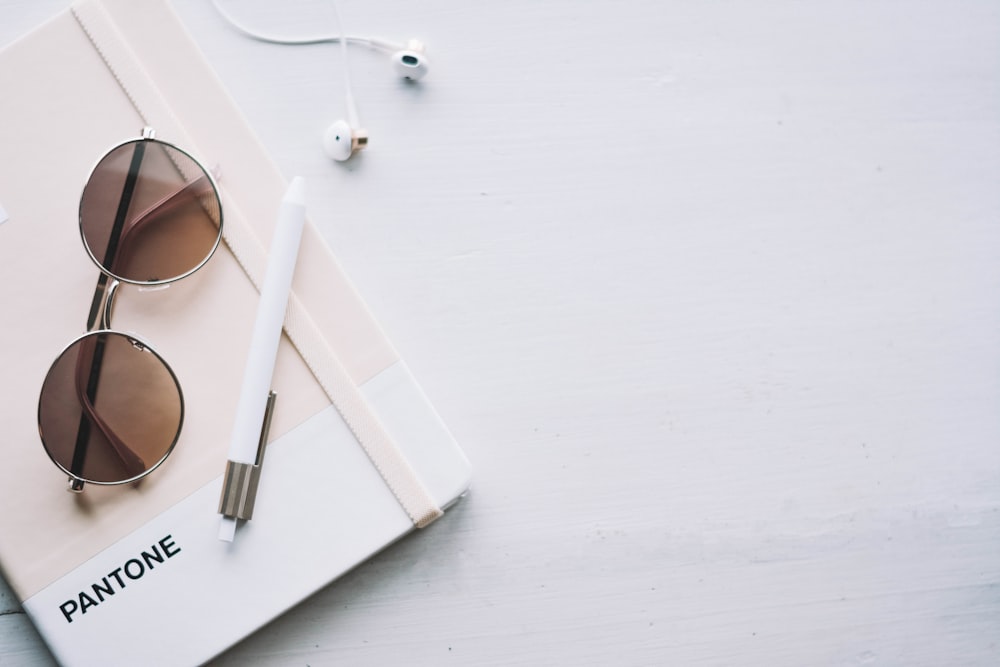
[410,62]
[341,141]
[344,138]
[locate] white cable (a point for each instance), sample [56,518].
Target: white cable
[352,109]
[252,33]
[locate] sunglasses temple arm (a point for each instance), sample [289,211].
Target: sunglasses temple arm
[101,305]
[103,295]
[196,188]
[88,393]
[88,369]
[115,237]
[128,190]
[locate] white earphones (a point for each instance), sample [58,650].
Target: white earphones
[344,137]
[341,141]
[410,62]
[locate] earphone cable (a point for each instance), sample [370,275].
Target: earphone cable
[352,109]
[300,40]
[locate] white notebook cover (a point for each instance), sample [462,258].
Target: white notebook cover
[111,577]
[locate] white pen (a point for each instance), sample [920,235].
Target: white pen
[253,412]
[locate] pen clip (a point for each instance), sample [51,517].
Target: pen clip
[265,428]
[239,484]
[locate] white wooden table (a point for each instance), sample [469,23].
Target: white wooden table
[708,291]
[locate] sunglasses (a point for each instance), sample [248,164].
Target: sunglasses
[110,409]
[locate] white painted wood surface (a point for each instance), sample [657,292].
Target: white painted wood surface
[709,293]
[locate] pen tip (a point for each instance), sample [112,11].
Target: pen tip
[296,193]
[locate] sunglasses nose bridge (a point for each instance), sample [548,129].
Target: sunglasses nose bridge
[103,302]
[109,304]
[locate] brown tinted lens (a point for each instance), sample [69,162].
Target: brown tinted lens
[149,213]
[110,410]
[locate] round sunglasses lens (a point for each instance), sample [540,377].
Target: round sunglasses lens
[150,213]
[110,409]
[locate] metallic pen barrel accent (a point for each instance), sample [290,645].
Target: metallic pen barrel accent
[239,483]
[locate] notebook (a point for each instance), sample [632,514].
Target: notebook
[357,456]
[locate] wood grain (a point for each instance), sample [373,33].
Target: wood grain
[708,293]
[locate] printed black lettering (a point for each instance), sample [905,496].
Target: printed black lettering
[138,564]
[99,590]
[149,558]
[169,547]
[85,602]
[118,577]
[134,569]
[67,608]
